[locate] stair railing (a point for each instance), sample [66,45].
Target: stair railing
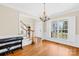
[26,30]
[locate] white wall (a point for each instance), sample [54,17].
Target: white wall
[38,28]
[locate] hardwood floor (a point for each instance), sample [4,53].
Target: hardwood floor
[46,48]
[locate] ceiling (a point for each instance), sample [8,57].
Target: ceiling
[36,9]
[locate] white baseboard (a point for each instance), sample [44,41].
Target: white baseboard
[71,42]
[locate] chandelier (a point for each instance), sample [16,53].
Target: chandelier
[44,17]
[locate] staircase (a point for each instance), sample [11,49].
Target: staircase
[26,40]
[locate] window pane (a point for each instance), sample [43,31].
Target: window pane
[59,29]
[65,25]
[60,25]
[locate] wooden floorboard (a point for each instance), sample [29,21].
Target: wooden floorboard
[46,48]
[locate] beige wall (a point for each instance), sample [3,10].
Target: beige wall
[8,21]
[69,14]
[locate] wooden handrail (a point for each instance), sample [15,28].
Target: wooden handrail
[24,24]
[23,28]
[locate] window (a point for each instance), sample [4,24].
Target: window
[59,29]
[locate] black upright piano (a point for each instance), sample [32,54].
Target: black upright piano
[10,44]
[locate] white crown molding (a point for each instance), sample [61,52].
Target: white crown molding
[64,12]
